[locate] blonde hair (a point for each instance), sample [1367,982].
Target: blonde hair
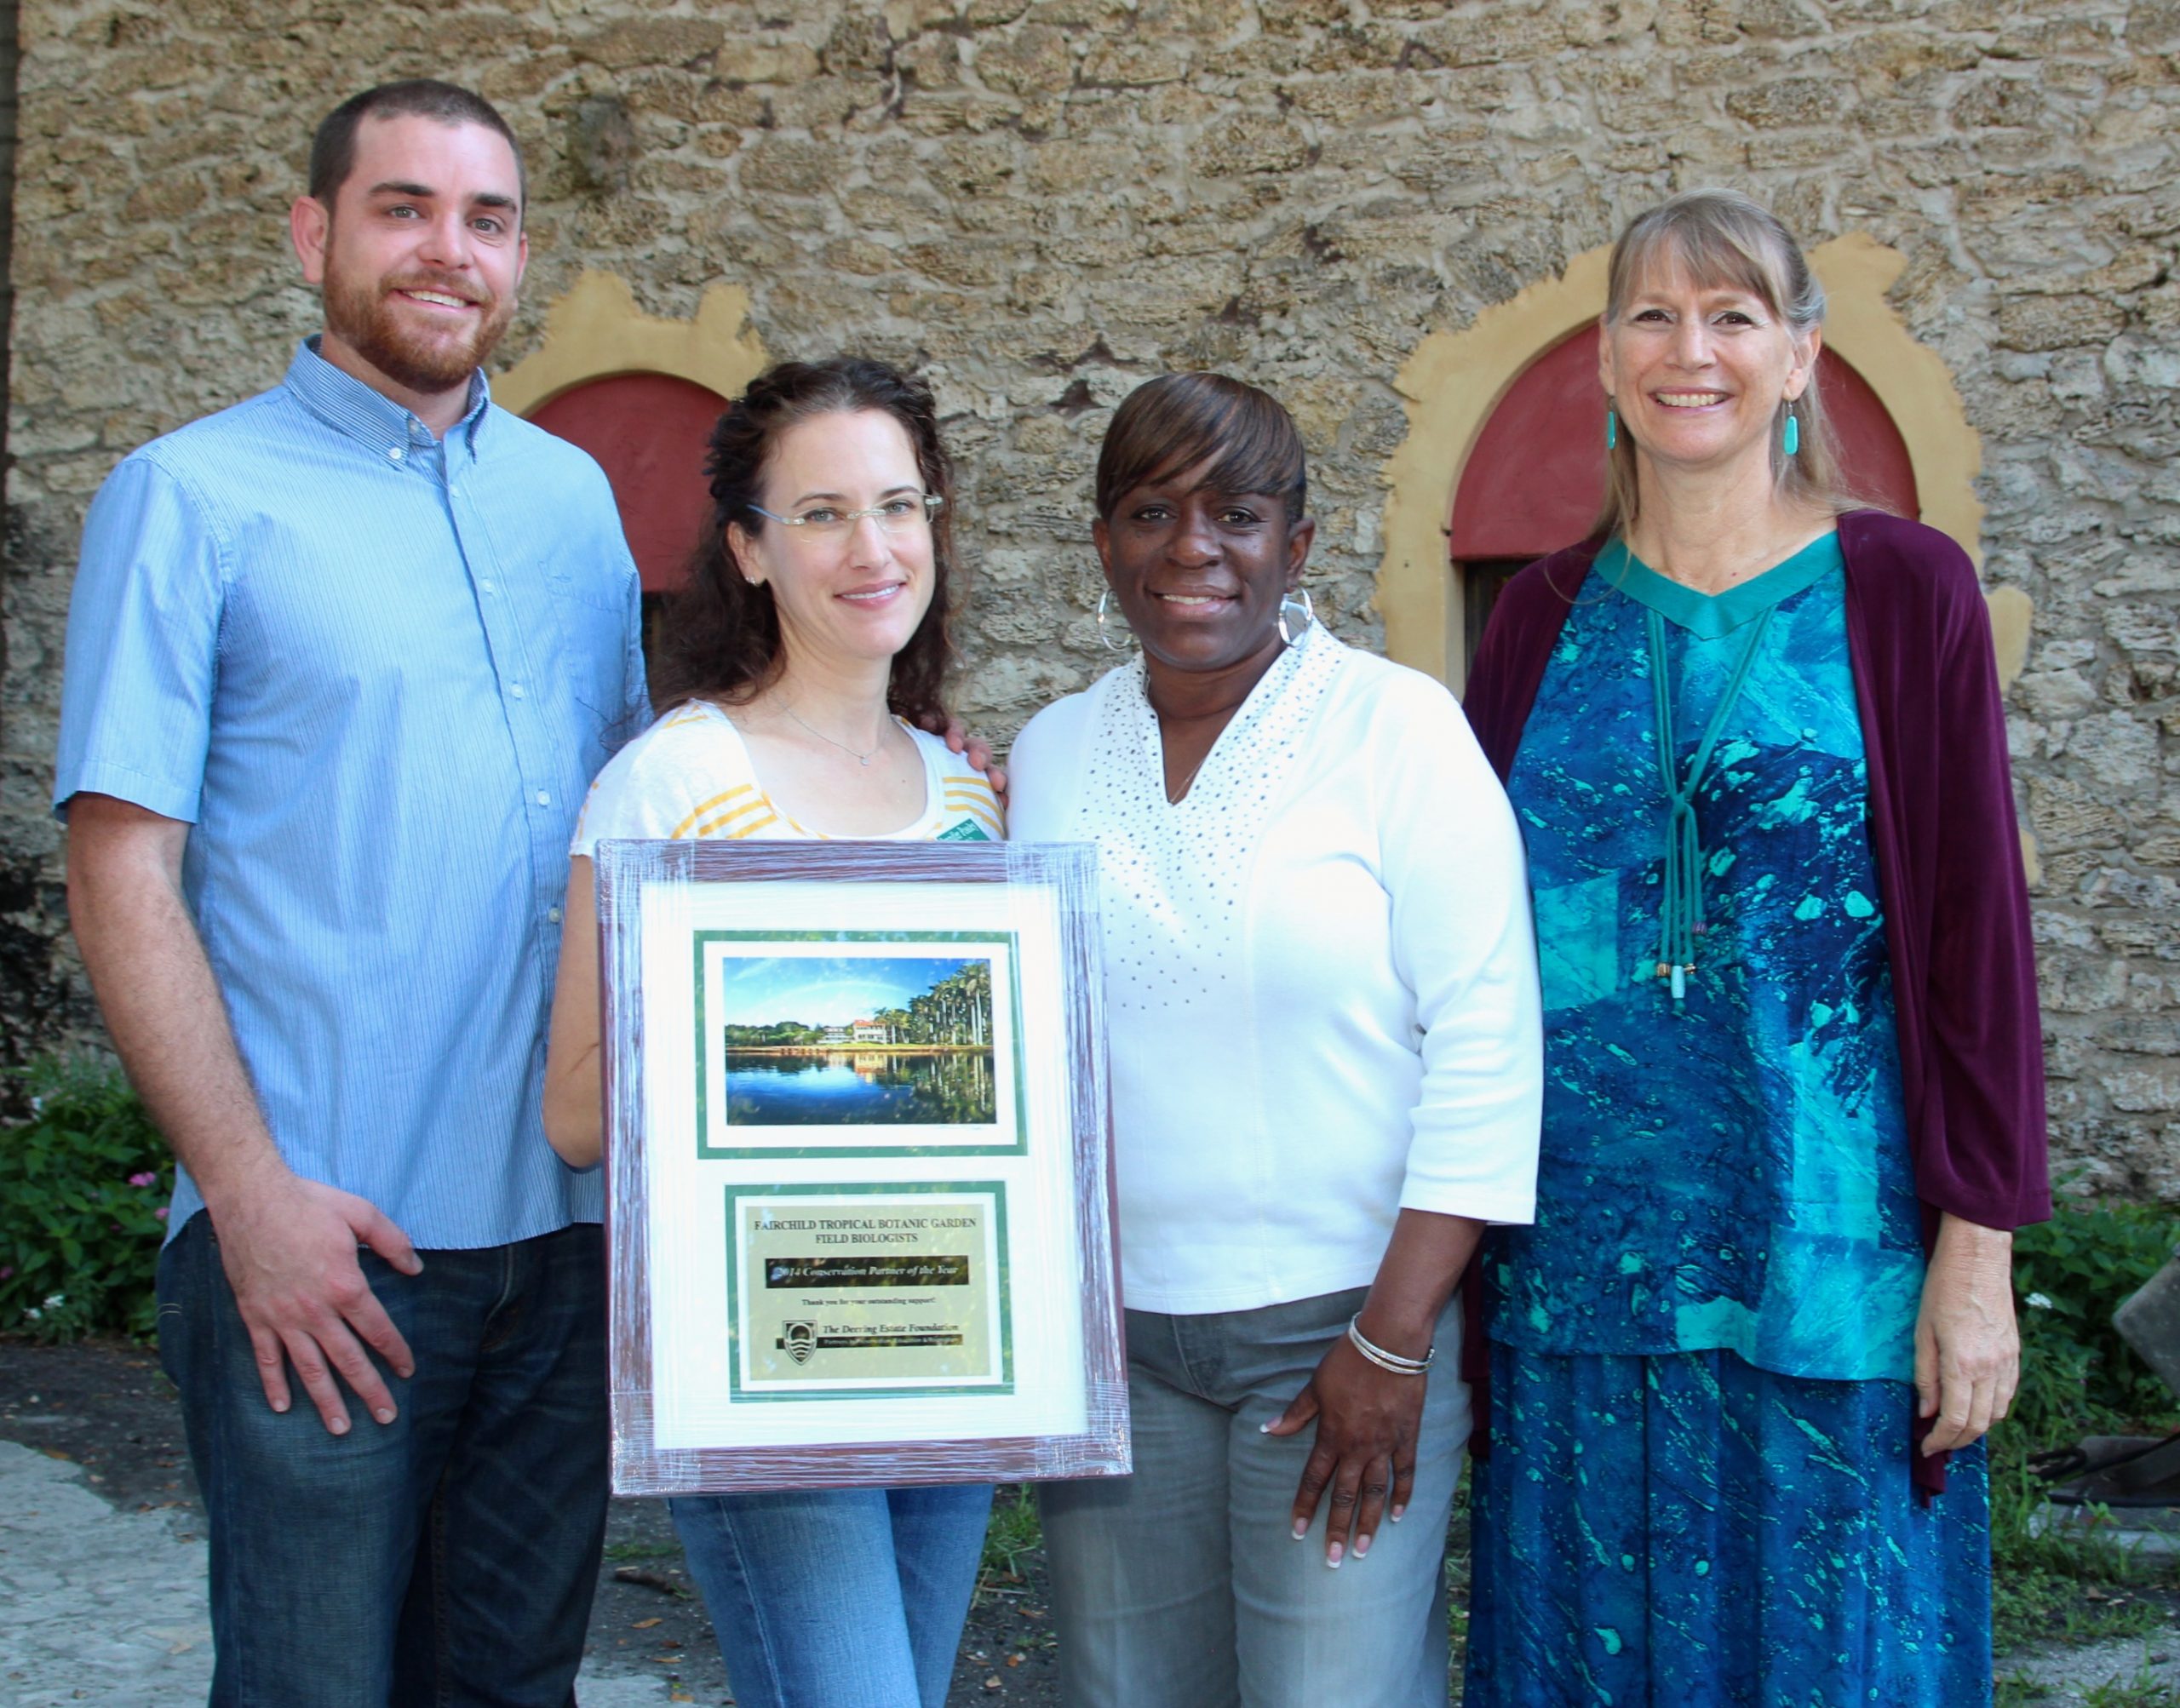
[1721,237]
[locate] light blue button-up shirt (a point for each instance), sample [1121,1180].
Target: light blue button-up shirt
[376,673]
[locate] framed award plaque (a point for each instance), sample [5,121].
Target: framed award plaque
[859,1206]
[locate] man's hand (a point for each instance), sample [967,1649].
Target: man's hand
[978,752]
[288,1247]
[1967,1346]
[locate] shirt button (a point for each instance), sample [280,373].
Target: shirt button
[553,915]
[543,798]
[515,689]
[488,586]
[394,452]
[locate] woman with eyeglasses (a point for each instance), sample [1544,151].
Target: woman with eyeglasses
[798,664]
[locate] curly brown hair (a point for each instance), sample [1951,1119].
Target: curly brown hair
[720,635]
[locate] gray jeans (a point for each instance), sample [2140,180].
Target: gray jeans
[1182,1587]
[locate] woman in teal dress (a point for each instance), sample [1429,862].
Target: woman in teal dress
[1767,1289]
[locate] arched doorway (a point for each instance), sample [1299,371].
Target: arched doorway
[1453,383]
[1534,479]
[639,394]
[647,432]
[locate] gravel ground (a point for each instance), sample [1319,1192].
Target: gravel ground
[2148,1666]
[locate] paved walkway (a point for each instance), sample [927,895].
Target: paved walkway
[2074,1675]
[108,1607]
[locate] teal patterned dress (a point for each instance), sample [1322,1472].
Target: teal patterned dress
[1698,1491]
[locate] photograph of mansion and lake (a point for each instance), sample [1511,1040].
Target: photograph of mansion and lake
[887,1040]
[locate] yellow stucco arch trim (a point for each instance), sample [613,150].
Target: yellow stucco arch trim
[1454,381]
[596,329]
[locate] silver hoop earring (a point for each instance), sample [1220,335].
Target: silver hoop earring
[1300,597]
[1104,634]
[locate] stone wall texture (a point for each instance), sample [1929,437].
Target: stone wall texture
[1041,202]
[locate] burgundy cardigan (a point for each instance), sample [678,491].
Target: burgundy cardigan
[1948,862]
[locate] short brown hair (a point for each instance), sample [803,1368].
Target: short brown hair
[720,635]
[333,149]
[1175,421]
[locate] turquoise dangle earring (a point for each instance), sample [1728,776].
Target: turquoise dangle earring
[1611,425]
[1790,440]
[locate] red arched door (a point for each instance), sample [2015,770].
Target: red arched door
[1536,480]
[648,432]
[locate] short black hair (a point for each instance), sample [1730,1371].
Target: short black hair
[1172,423]
[333,150]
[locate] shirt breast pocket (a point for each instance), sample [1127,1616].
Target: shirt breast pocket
[590,613]
[594,586]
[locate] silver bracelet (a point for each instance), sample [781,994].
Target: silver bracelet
[1384,1359]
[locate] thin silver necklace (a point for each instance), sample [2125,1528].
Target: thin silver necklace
[860,759]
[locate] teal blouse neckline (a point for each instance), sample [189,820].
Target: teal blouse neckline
[1712,614]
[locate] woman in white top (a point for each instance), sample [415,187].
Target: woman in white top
[1322,991]
[810,642]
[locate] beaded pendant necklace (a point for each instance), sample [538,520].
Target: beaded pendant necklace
[1682,920]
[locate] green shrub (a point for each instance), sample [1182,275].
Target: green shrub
[83,1190]
[2078,1378]
[2071,1273]
[1012,1533]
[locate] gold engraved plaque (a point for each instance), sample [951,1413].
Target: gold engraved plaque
[859,1291]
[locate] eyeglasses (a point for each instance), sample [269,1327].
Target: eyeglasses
[897,515]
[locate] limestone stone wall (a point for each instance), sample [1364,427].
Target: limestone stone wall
[1041,202]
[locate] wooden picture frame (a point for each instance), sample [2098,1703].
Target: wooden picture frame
[859,1196]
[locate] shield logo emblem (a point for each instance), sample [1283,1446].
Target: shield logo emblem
[800,1339]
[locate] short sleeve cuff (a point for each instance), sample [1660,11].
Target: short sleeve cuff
[169,798]
[1479,1201]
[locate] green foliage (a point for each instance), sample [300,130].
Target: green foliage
[83,1189]
[2143,1690]
[2078,1378]
[789,1034]
[2065,1586]
[2070,1274]
[1012,1533]
[955,1011]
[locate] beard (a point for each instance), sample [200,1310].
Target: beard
[364,316]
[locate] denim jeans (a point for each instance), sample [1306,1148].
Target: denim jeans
[445,1559]
[1183,1586]
[840,1597]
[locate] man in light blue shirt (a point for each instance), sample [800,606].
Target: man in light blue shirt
[341,662]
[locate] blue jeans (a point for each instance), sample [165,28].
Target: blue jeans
[447,1558]
[1182,1586]
[837,1598]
